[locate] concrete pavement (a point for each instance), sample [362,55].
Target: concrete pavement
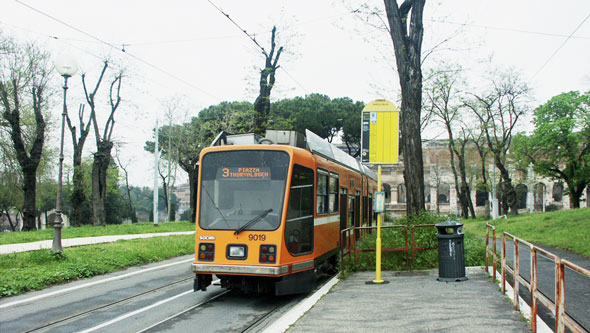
[46,244]
[411,302]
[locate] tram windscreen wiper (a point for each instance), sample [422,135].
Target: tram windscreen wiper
[252,221]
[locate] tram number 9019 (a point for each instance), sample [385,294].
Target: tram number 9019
[257,237]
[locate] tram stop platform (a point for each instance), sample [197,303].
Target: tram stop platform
[411,302]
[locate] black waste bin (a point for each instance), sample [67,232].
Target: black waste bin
[451,252]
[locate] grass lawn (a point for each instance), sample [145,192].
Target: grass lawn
[92,231]
[566,229]
[35,270]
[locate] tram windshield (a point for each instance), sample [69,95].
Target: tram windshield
[243,189]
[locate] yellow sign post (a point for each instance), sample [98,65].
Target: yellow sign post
[379,133]
[379,145]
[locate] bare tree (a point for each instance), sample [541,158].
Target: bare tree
[498,112]
[406,35]
[443,102]
[24,77]
[267,81]
[78,197]
[124,167]
[104,145]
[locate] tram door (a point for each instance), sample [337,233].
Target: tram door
[357,213]
[343,209]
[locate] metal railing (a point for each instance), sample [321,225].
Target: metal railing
[414,248]
[557,308]
[348,243]
[489,251]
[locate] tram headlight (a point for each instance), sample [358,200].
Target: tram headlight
[237,251]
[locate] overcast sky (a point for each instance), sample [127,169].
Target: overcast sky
[188,48]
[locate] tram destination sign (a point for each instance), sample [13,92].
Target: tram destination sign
[380,133]
[244,173]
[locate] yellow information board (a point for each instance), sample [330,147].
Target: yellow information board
[380,133]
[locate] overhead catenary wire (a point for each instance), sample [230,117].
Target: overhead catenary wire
[505,29]
[560,46]
[117,48]
[253,40]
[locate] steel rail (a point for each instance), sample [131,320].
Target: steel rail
[104,306]
[184,311]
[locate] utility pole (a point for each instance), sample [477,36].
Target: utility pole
[169,192]
[156,177]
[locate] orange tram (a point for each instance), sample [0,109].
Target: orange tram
[270,210]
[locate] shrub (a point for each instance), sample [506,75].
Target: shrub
[423,237]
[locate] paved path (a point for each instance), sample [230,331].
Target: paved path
[46,244]
[577,286]
[413,302]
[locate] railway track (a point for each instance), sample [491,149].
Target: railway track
[103,307]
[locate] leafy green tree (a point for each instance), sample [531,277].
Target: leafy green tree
[350,112]
[559,147]
[189,138]
[10,194]
[314,112]
[232,117]
[324,116]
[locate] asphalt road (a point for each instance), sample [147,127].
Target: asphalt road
[577,286]
[145,298]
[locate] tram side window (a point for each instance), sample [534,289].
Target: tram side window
[299,224]
[333,193]
[322,193]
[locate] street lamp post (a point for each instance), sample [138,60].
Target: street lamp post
[66,66]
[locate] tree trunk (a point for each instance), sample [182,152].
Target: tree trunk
[508,193]
[575,195]
[100,167]
[412,149]
[78,196]
[9,219]
[407,46]
[29,205]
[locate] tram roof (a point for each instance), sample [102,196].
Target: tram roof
[321,147]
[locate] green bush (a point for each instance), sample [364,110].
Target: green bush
[423,237]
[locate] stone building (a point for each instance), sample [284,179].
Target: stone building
[540,192]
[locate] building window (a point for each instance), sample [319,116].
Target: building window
[481,197]
[521,196]
[557,192]
[444,192]
[539,195]
[401,193]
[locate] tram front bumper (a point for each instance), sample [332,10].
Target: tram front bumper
[251,270]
